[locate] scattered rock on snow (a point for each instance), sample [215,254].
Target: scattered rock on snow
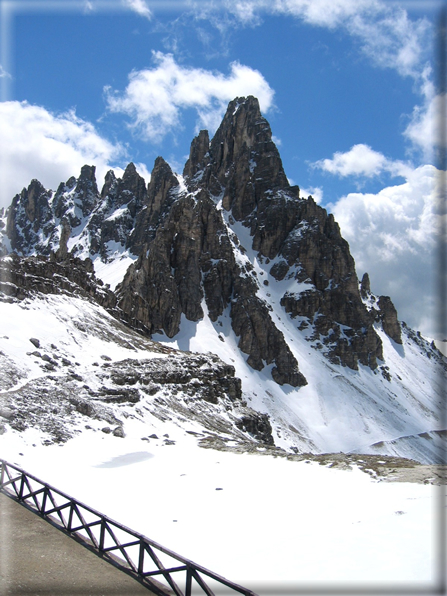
[119,432]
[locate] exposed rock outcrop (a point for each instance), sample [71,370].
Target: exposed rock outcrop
[21,277]
[161,193]
[41,221]
[388,317]
[365,286]
[29,219]
[381,310]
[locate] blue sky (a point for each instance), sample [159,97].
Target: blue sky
[348,86]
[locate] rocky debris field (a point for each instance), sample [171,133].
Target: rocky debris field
[383,468]
[198,390]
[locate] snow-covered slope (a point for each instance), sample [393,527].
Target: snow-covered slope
[339,409]
[68,367]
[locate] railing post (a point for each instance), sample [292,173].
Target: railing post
[44,499]
[102,534]
[188,586]
[2,463]
[70,516]
[141,558]
[22,484]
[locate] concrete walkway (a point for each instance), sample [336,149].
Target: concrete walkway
[38,559]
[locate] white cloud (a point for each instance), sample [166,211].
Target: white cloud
[425,128]
[325,13]
[361,160]
[48,147]
[143,171]
[394,235]
[155,97]
[314,191]
[393,40]
[385,32]
[139,6]
[245,11]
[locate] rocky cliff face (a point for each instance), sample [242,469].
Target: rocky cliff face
[186,235]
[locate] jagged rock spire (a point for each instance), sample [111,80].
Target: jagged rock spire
[365,286]
[199,151]
[87,190]
[29,215]
[245,160]
[160,196]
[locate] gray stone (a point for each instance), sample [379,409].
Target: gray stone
[7,413]
[119,432]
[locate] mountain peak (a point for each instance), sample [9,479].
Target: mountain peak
[239,128]
[249,104]
[184,238]
[130,170]
[242,126]
[88,173]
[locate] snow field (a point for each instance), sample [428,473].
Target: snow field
[255,519]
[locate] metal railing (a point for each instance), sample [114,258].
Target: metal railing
[134,553]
